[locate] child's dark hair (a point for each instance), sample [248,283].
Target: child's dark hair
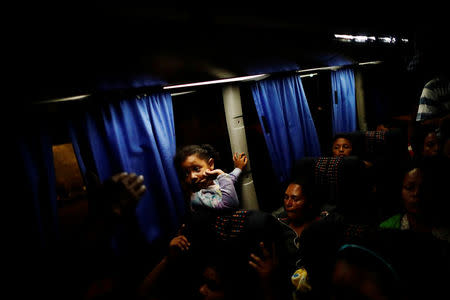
[203,151]
[342,135]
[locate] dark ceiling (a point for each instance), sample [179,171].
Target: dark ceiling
[76,49]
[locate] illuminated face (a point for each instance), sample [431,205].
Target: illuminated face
[211,289]
[294,202]
[412,184]
[342,147]
[194,169]
[431,145]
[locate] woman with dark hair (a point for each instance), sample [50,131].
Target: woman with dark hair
[423,194]
[298,212]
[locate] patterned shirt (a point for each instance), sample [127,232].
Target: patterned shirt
[219,195]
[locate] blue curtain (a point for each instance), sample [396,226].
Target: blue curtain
[344,100]
[35,186]
[289,129]
[137,135]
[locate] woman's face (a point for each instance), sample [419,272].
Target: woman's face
[194,169]
[294,202]
[342,147]
[431,145]
[411,190]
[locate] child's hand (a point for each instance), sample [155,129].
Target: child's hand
[178,245]
[212,174]
[240,160]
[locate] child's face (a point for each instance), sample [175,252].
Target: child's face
[411,191]
[431,145]
[342,147]
[194,169]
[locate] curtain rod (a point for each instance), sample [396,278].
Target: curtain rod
[334,68]
[219,81]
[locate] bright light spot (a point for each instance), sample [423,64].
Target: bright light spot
[367,38]
[235,79]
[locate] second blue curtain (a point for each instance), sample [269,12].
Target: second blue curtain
[344,100]
[289,129]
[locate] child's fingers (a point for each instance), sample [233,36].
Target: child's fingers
[184,245]
[119,176]
[255,266]
[180,231]
[136,182]
[213,172]
[141,190]
[265,252]
[182,242]
[256,259]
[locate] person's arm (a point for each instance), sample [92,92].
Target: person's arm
[229,198]
[154,279]
[152,287]
[111,203]
[430,111]
[229,195]
[437,122]
[240,161]
[234,175]
[265,267]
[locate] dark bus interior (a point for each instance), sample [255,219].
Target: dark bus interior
[70,56]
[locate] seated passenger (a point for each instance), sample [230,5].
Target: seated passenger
[425,142]
[342,146]
[298,211]
[421,193]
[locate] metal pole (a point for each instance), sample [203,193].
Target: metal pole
[238,140]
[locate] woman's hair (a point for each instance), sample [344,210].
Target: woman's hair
[306,184]
[203,151]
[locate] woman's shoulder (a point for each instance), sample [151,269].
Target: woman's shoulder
[394,221]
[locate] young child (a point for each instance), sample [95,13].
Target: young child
[206,186]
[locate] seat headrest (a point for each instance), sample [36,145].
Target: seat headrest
[338,181]
[328,169]
[371,145]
